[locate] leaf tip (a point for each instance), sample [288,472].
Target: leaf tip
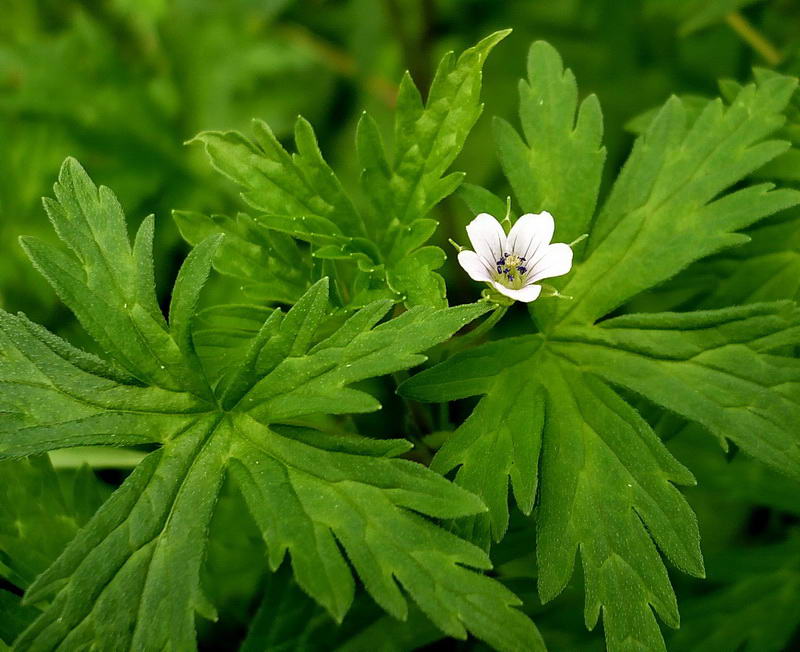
[71,163]
[196,139]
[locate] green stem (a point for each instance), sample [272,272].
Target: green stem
[459,343]
[755,39]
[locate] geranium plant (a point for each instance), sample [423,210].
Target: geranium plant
[245,412]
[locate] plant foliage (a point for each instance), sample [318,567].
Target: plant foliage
[250,415]
[552,415]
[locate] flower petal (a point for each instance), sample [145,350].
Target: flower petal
[530,234]
[526,294]
[474,266]
[487,237]
[556,260]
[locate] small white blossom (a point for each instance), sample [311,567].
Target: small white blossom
[513,264]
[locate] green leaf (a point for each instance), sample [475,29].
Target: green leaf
[607,488]
[646,231]
[754,606]
[557,167]
[400,547]
[38,517]
[286,619]
[480,200]
[694,364]
[108,284]
[692,104]
[598,457]
[130,578]
[13,617]
[54,397]
[318,382]
[470,373]
[300,195]
[765,269]
[223,335]
[505,427]
[428,136]
[186,295]
[737,477]
[268,264]
[298,187]
[138,560]
[711,367]
[606,483]
[413,279]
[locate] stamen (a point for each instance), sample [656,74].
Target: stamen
[511,269]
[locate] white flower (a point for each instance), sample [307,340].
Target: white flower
[513,263]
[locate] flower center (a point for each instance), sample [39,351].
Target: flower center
[511,270]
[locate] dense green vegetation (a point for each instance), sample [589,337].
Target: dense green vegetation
[250,400]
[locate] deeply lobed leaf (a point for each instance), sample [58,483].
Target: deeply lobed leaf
[558,166]
[130,579]
[606,483]
[711,367]
[269,265]
[647,230]
[386,544]
[109,285]
[301,196]
[55,396]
